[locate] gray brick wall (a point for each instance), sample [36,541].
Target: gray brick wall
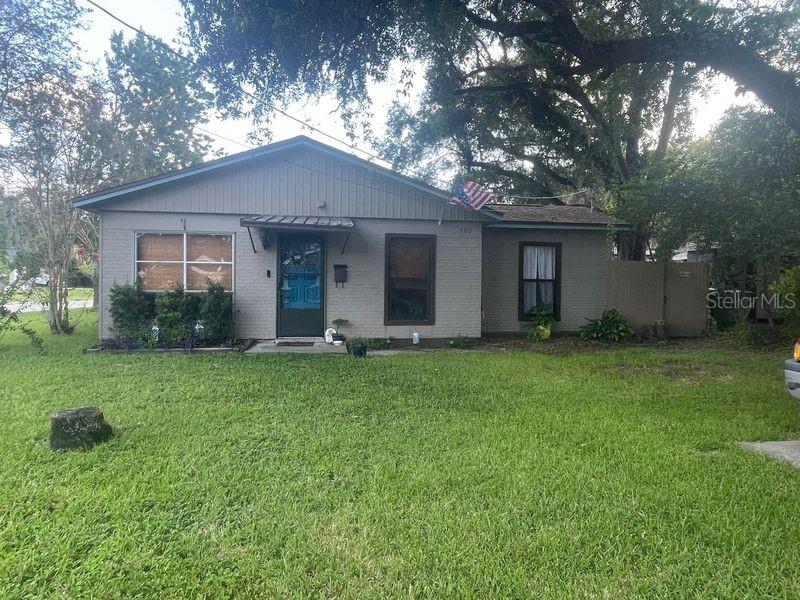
[458,276]
[254,293]
[585,257]
[361,300]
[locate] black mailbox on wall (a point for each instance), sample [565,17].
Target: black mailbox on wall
[339,274]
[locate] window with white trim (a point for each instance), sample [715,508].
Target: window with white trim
[165,261]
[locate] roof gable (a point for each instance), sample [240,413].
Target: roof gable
[298,176]
[100,199]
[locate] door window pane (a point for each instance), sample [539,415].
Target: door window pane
[409,279]
[301,274]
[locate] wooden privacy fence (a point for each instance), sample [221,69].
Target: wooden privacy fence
[646,292]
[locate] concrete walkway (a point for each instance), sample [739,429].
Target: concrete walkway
[788,451]
[27,307]
[317,347]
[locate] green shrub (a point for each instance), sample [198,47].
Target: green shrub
[357,347]
[172,330]
[758,335]
[610,327]
[131,312]
[788,292]
[462,342]
[378,344]
[339,323]
[540,316]
[175,313]
[216,314]
[173,316]
[10,318]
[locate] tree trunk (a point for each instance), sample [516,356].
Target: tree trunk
[632,245]
[58,307]
[96,285]
[676,85]
[78,429]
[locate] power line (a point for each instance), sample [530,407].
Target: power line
[107,90]
[222,137]
[270,105]
[111,92]
[583,191]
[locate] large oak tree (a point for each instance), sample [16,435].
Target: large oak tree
[534,96]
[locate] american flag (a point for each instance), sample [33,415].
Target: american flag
[471,195]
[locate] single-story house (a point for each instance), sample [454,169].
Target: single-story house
[303,234]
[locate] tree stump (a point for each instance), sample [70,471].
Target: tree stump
[78,428]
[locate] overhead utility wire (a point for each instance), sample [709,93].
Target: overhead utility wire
[583,191]
[106,90]
[271,105]
[250,146]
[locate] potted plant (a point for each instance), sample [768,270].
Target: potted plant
[541,319]
[338,338]
[357,347]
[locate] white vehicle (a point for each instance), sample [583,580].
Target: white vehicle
[791,369]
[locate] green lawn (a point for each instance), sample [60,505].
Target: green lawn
[80,293]
[40,295]
[604,474]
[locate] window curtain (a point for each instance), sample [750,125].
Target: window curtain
[540,264]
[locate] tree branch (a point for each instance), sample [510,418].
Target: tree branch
[676,87]
[700,44]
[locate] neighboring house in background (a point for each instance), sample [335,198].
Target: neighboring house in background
[303,234]
[690,253]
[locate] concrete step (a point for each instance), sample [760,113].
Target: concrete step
[270,347]
[299,341]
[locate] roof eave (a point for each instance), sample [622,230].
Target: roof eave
[569,226]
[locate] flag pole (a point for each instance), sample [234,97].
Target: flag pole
[444,207]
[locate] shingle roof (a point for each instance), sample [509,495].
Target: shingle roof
[555,214]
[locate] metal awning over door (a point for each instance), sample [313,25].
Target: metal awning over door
[299,223]
[291,223]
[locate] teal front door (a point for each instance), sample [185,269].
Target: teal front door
[301,285]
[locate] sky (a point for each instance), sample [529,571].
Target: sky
[163,18]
